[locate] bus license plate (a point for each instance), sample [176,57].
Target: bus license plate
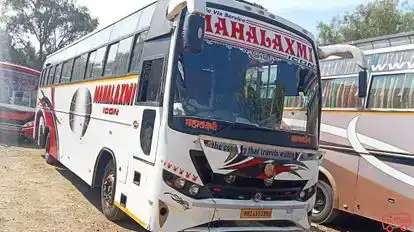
[256,213]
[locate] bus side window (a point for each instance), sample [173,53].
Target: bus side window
[79,68]
[391,92]
[57,74]
[110,60]
[46,79]
[51,75]
[66,72]
[137,52]
[98,63]
[89,65]
[340,93]
[150,81]
[122,57]
[42,77]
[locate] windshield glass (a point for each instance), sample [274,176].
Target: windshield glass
[17,88]
[238,80]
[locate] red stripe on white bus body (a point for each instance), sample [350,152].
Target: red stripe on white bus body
[51,120]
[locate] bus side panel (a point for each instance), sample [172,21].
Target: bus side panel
[90,121]
[340,160]
[386,177]
[141,183]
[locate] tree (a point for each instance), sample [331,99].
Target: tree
[376,18]
[40,27]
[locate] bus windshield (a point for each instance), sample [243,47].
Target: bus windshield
[232,82]
[17,88]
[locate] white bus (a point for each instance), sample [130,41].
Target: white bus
[176,110]
[368,168]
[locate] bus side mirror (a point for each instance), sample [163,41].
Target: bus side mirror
[363,77]
[194,29]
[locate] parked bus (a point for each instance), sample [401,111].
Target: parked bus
[368,167]
[18,91]
[176,110]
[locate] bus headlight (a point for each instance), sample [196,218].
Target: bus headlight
[179,183]
[194,190]
[186,187]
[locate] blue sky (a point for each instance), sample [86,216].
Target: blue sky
[306,13]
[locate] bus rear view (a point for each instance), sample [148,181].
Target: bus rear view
[196,138]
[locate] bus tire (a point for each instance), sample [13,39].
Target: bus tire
[323,211]
[49,159]
[41,141]
[109,209]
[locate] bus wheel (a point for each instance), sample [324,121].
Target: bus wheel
[323,211]
[49,159]
[112,212]
[40,133]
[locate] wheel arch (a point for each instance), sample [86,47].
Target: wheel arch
[103,158]
[327,177]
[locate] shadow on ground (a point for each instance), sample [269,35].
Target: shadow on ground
[13,141]
[92,195]
[352,223]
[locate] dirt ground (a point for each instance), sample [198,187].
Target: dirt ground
[40,197]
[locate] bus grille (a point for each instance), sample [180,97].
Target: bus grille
[244,188]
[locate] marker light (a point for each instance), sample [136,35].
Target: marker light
[194,190]
[179,183]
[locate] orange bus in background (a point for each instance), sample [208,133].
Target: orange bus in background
[368,167]
[18,90]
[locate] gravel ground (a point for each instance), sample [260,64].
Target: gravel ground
[39,197]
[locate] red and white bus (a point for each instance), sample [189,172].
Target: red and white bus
[176,112]
[18,91]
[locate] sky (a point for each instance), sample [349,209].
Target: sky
[306,13]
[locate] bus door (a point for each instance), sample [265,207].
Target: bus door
[149,99]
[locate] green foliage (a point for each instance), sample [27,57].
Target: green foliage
[40,27]
[372,19]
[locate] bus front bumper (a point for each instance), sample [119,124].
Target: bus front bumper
[286,215]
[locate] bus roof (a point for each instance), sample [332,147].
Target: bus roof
[83,42]
[19,68]
[386,41]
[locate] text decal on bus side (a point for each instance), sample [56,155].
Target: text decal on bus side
[120,94]
[251,34]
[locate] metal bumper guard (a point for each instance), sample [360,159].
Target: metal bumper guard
[292,211]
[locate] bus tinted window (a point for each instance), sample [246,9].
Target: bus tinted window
[137,52]
[98,63]
[392,92]
[150,83]
[57,74]
[42,79]
[67,69]
[51,75]
[110,61]
[340,93]
[79,68]
[89,66]
[46,80]
[122,57]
